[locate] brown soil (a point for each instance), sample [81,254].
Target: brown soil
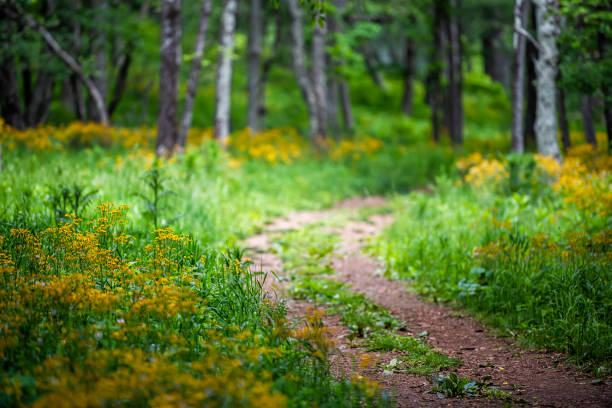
[535,378]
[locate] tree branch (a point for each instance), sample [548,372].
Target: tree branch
[17,15]
[521,31]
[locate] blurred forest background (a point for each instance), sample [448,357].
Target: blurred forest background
[142,143]
[396,70]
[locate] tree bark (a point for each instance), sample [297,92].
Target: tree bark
[170,54]
[299,65]
[407,96]
[563,124]
[518,74]
[347,107]
[120,83]
[100,61]
[63,55]
[434,87]
[224,72]
[606,89]
[194,75]
[265,70]
[586,110]
[319,78]
[455,79]
[254,65]
[530,108]
[546,71]
[10,108]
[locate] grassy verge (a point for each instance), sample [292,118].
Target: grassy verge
[525,242]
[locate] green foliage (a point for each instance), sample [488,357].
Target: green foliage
[454,386]
[519,253]
[417,357]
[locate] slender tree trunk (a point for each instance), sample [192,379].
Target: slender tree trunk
[319,78]
[332,105]
[120,82]
[606,89]
[455,78]
[170,54]
[265,71]
[372,66]
[563,124]
[194,75]
[254,65]
[10,108]
[299,65]
[407,96]
[546,71]
[347,109]
[223,91]
[342,85]
[586,109]
[100,59]
[530,108]
[434,87]
[518,71]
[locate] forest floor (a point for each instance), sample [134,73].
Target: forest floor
[526,377]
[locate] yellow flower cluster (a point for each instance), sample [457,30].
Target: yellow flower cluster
[136,378]
[96,328]
[354,149]
[583,178]
[574,248]
[479,170]
[280,145]
[74,134]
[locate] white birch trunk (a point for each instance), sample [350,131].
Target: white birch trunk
[254,66]
[170,54]
[546,73]
[224,71]
[194,75]
[319,78]
[518,74]
[299,65]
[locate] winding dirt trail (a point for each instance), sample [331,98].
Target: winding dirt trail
[534,378]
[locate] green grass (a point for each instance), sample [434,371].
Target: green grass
[417,357]
[510,253]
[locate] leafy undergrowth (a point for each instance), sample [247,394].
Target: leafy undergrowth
[523,241]
[95,314]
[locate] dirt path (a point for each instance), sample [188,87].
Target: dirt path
[533,378]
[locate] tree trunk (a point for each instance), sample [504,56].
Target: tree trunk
[194,75]
[10,108]
[170,54]
[265,71]
[518,74]
[531,57]
[407,96]
[100,61]
[434,87]
[606,89]
[77,97]
[455,79]
[563,125]
[120,82]
[546,71]
[223,90]
[332,106]
[299,65]
[347,109]
[254,65]
[319,78]
[586,109]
